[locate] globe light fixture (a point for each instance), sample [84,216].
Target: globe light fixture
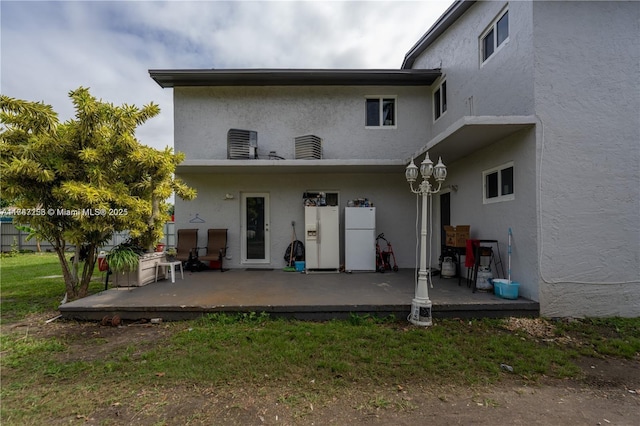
[421,304]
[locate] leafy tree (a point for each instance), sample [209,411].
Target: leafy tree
[86,178]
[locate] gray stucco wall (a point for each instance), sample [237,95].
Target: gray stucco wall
[492,221]
[576,216]
[576,213]
[389,192]
[203,115]
[503,85]
[587,75]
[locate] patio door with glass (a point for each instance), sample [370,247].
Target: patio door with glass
[255,228]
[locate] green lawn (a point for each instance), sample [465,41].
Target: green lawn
[73,367]
[32,283]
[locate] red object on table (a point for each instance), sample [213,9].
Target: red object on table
[469,258]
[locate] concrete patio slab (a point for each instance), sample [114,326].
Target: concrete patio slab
[316,296]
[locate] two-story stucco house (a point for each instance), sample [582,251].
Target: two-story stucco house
[533,106]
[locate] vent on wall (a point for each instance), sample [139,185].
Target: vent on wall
[242,144]
[308,147]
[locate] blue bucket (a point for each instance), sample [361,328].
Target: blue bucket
[505,289]
[299,266]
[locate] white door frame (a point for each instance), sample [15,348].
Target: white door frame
[244,228]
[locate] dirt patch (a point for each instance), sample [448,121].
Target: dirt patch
[506,403]
[88,341]
[607,393]
[610,373]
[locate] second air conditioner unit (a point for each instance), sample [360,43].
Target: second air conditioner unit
[308,147]
[242,144]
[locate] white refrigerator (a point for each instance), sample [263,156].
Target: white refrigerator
[322,238]
[360,239]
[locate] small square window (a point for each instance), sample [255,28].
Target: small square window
[498,184]
[380,112]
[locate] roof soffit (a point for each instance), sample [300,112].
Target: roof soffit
[294,77]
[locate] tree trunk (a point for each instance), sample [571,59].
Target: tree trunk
[69,282]
[87,272]
[155,212]
[76,286]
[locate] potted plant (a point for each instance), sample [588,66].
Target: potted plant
[171,254]
[123,258]
[132,267]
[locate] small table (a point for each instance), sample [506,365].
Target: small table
[172,266]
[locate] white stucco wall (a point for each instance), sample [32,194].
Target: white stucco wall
[492,221]
[576,213]
[203,115]
[389,192]
[587,75]
[576,217]
[503,85]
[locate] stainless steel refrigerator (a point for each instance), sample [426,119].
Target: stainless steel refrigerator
[322,238]
[360,239]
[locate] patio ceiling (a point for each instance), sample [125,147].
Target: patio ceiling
[291,166]
[470,134]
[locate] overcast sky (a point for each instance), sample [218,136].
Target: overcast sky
[49,48]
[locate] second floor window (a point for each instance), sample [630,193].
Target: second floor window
[495,35]
[380,112]
[440,100]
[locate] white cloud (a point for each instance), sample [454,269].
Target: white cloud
[50,48]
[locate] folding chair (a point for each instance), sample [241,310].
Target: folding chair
[216,248]
[187,246]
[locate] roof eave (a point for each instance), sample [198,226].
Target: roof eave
[293,77]
[451,15]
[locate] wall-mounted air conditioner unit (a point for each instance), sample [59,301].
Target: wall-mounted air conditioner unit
[308,147]
[242,144]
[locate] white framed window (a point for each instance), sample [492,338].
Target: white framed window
[380,112]
[495,36]
[498,184]
[440,100]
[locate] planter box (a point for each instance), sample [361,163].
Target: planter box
[145,274]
